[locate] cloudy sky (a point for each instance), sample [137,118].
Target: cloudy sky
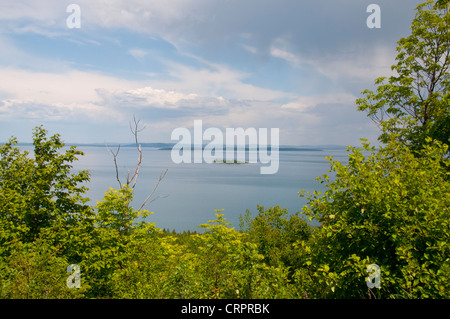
[290,64]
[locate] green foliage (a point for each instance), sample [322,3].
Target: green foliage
[275,234]
[233,268]
[388,208]
[115,212]
[34,271]
[117,226]
[37,192]
[219,263]
[414,103]
[149,266]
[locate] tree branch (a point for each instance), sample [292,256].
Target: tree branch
[135,132]
[161,176]
[115,163]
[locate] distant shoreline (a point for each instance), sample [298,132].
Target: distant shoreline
[169,146]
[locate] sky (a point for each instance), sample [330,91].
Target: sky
[290,64]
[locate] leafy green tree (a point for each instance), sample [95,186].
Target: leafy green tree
[389,207]
[42,205]
[415,102]
[118,226]
[385,207]
[39,192]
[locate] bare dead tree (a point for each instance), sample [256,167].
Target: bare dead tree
[131,181]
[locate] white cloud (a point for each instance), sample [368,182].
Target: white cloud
[52,96]
[46,87]
[160,97]
[27,94]
[145,98]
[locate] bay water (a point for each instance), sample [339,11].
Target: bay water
[189,194]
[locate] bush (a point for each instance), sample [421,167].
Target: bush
[34,271]
[386,207]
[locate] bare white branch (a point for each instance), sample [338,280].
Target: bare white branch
[131,181]
[115,163]
[146,201]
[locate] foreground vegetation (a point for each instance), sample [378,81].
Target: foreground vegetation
[387,206]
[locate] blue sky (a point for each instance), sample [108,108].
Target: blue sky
[290,64]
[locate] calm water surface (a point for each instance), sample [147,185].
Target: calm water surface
[194,191]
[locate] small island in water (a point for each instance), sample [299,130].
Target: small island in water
[223,161]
